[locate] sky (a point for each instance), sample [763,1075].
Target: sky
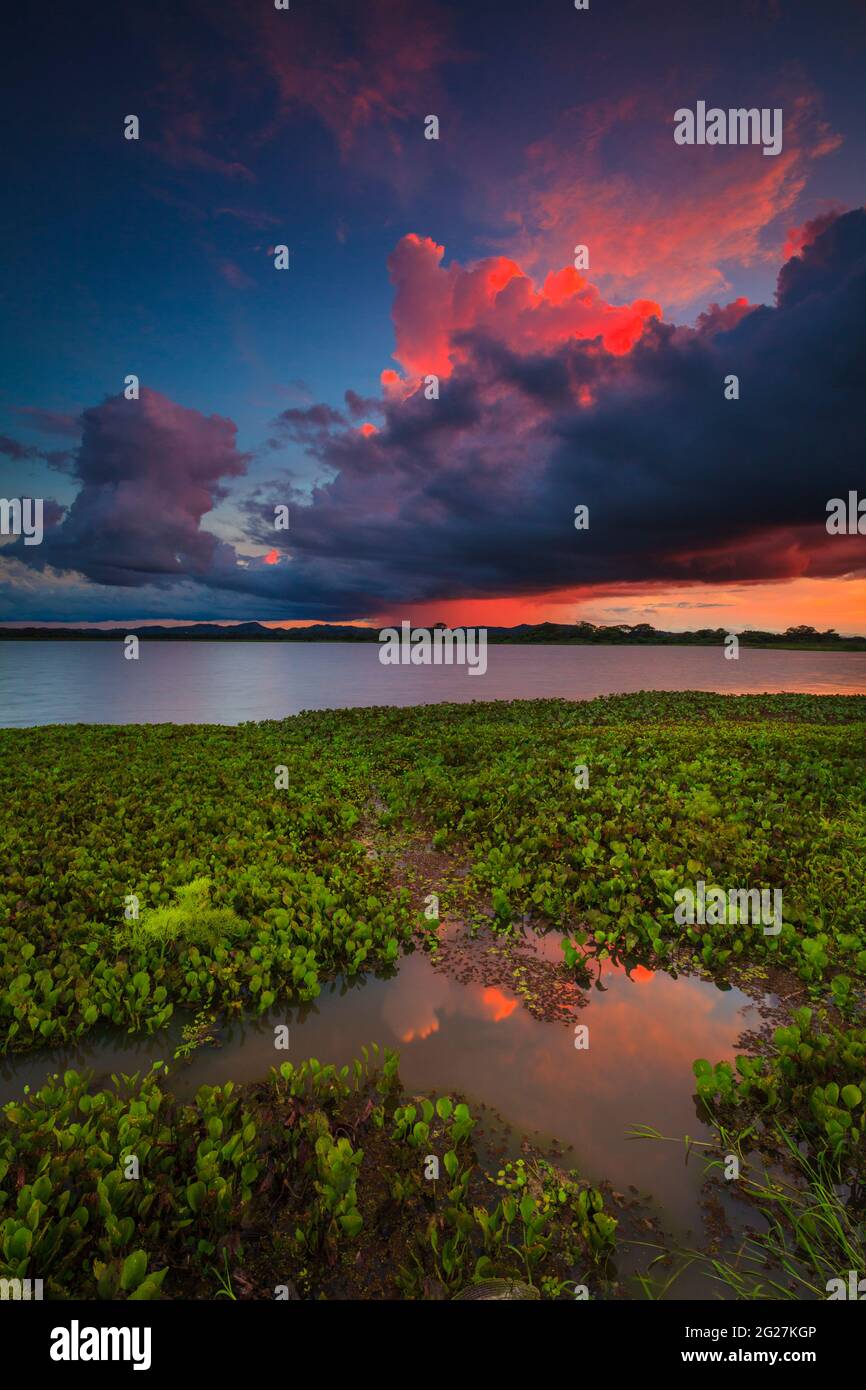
[562,379]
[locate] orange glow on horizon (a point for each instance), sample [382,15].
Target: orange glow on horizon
[767,606]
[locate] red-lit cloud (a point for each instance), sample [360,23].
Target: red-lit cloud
[799,238]
[435,304]
[659,219]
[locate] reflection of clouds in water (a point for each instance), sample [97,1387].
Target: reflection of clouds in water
[425,1030]
[477,1040]
[411,1005]
[641,975]
[642,1040]
[496,1004]
[638,1069]
[418,997]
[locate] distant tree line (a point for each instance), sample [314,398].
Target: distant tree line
[524,634]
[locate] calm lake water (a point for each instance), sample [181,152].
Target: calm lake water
[229,683]
[477,1039]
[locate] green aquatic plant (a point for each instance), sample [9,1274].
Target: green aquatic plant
[255,895]
[121,1190]
[815,1076]
[338,1165]
[736,790]
[811,1225]
[190,919]
[540,1194]
[196,1034]
[224,1280]
[108,1170]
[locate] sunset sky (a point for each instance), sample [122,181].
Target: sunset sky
[455,257]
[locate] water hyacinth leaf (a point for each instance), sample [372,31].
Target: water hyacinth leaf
[351,1223]
[195,1195]
[133,1270]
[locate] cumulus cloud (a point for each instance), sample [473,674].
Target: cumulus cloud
[435,305]
[149,471]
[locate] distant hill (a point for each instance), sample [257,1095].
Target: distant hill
[524,634]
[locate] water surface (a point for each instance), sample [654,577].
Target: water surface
[231,682]
[645,1031]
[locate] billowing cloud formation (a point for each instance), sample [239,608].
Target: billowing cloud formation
[473,494]
[149,471]
[434,307]
[799,238]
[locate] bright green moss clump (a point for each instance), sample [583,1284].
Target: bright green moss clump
[191,919]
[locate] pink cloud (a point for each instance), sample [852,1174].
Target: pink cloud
[150,470]
[669,217]
[721,320]
[434,304]
[799,238]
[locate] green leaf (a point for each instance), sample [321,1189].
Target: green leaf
[150,1287]
[352,1223]
[195,1195]
[133,1270]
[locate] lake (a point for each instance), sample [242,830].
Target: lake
[232,682]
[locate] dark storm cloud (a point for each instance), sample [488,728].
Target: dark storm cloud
[149,471]
[473,494]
